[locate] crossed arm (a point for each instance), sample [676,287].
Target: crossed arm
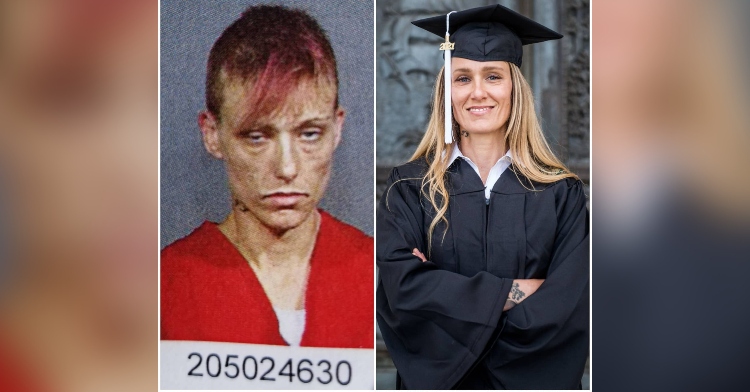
[521,289]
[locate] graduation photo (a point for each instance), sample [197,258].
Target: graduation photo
[267,193]
[482,223]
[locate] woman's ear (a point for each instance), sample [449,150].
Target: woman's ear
[340,116]
[210,130]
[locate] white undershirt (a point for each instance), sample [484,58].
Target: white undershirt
[291,325]
[495,171]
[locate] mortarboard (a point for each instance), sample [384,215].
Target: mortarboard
[491,33]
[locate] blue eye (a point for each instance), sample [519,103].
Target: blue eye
[494,77]
[462,79]
[255,137]
[310,134]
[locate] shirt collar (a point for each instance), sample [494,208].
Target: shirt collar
[456,153]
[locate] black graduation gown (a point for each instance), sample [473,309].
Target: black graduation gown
[443,321]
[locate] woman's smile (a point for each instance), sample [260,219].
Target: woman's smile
[480,110]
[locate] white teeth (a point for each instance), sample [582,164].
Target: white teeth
[478,109]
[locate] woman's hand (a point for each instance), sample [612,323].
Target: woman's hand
[521,289]
[419,254]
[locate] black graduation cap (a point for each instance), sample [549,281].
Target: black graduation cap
[490,33]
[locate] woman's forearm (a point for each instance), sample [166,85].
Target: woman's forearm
[521,289]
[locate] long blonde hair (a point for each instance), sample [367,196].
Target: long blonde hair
[532,156]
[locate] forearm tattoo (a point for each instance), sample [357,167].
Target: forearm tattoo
[515,296]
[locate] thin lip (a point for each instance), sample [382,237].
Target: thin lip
[285,194]
[480,107]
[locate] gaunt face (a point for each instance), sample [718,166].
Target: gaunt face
[481,94]
[279,163]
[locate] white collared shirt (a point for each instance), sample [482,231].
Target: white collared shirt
[495,171]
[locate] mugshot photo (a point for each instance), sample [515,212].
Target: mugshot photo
[267,187]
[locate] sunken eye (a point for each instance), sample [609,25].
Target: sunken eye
[310,134]
[254,137]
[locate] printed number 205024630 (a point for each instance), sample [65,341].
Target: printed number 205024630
[263,369]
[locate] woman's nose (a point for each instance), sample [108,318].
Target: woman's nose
[287,166]
[478,91]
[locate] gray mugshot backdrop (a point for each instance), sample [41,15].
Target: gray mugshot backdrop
[193,184]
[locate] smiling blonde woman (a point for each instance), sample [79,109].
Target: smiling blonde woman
[482,238]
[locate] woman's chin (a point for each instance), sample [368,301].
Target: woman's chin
[485,130]
[483,127]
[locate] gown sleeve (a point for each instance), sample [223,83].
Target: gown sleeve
[554,321]
[435,323]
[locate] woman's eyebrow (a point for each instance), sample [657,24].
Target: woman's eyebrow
[270,127]
[314,120]
[267,129]
[484,69]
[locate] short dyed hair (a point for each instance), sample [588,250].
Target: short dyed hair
[274,48]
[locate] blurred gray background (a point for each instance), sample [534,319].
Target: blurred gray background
[408,61]
[193,184]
